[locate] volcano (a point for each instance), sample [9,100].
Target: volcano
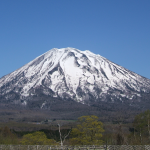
[71,74]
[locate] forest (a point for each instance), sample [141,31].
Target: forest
[86,130]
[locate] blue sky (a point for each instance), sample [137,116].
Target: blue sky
[118,30]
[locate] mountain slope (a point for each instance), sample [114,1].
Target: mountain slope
[69,73]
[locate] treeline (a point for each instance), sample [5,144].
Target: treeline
[7,137]
[88,130]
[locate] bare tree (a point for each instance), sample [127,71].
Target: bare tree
[62,137]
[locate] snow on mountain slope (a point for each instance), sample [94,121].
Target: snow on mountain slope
[73,74]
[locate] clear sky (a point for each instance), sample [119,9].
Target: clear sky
[118,30]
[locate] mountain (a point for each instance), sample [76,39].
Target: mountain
[71,74]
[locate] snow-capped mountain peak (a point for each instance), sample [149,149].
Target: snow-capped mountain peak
[69,73]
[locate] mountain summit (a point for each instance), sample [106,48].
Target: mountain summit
[69,73]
